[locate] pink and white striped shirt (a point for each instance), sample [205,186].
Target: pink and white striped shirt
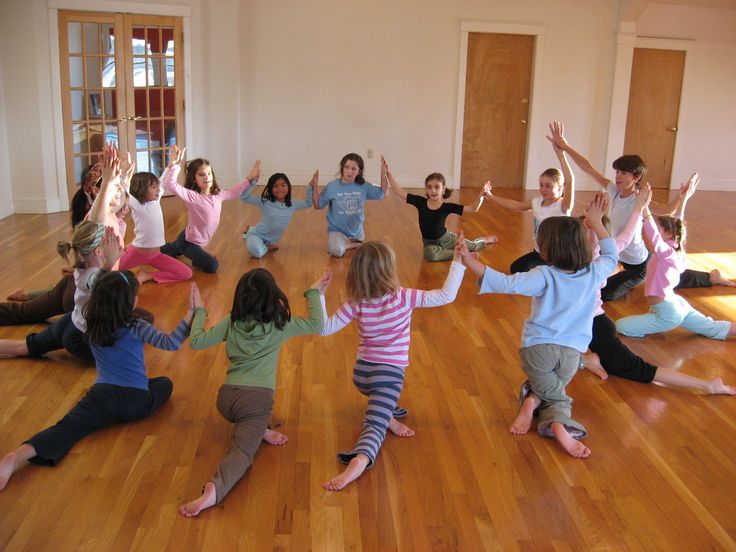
[204,209]
[384,323]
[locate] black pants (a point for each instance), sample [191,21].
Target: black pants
[616,358]
[622,282]
[694,279]
[199,257]
[526,262]
[62,334]
[102,406]
[57,300]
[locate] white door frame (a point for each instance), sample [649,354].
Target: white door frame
[626,41]
[500,27]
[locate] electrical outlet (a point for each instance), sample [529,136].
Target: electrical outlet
[370,153]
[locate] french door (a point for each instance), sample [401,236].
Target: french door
[121,81]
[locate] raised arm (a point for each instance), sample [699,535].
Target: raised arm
[395,186]
[248,182]
[677,207]
[504,202]
[475,207]
[314,184]
[594,215]
[110,181]
[585,165]
[557,130]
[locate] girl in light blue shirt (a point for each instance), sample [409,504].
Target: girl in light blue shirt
[277,209]
[560,323]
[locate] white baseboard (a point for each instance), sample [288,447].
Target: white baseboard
[34,206]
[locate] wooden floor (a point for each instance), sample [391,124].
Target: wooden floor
[662,474]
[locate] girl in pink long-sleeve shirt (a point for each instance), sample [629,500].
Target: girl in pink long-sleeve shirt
[667,311]
[204,201]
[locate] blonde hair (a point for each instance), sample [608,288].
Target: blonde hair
[372,272]
[676,227]
[87,235]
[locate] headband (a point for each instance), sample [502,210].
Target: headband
[94,241]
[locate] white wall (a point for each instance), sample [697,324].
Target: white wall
[6,193]
[705,137]
[299,84]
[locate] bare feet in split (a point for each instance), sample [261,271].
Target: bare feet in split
[144,277]
[523,420]
[207,500]
[354,470]
[717,387]
[717,279]
[592,363]
[573,447]
[18,295]
[399,429]
[490,240]
[12,461]
[275,438]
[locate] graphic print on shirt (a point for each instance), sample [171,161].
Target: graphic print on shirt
[347,203]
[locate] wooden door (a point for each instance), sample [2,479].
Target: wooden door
[654,107]
[122,81]
[497,89]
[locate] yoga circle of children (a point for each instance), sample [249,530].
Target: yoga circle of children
[572,271]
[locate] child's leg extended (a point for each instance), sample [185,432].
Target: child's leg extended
[382,383]
[199,257]
[549,369]
[249,408]
[697,322]
[662,317]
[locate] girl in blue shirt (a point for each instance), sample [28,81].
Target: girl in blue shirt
[558,329]
[277,209]
[122,391]
[346,199]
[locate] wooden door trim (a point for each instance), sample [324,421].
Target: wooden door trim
[626,42]
[467,27]
[54,69]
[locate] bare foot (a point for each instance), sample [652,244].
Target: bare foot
[275,438]
[717,387]
[718,280]
[489,240]
[18,295]
[523,420]
[143,277]
[399,429]
[273,246]
[354,470]
[207,500]
[7,468]
[245,230]
[592,362]
[573,447]
[12,461]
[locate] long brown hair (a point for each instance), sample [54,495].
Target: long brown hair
[676,227]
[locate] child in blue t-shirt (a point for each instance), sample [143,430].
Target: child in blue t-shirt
[346,199]
[558,329]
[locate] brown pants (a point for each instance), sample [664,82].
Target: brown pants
[249,408]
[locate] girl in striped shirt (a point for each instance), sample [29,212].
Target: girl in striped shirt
[277,208]
[382,309]
[204,201]
[122,391]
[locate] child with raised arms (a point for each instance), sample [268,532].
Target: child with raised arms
[203,198]
[667,310]
[433,210]
[122,391]
[382,308]
[609,355]
[345,198]
[558,329]
[277,209]
[145,191]
[258,324]
[556,198]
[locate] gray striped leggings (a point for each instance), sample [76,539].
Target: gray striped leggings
[382,384]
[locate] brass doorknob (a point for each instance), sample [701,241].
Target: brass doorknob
[523,121]
[672,129]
